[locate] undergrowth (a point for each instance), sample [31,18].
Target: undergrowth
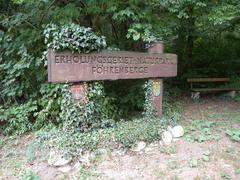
[127,134]
[201,131]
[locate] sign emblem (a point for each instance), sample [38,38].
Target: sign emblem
[156,88]
[79,92]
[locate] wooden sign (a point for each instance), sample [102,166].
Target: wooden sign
[66,66]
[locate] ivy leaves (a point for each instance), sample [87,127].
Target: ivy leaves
[73,37]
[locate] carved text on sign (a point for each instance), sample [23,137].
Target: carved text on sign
[72,67]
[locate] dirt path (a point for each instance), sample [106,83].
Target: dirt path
[205,152]
[211,159]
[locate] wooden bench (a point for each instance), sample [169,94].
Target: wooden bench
[203,81]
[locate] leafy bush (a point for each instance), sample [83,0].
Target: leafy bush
[80,117]
[73,37]
[17,118]
[72,144]
[234,134]
[47,103]
[129,133]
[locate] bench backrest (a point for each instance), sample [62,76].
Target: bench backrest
[208,80]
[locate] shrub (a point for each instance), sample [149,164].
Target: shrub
[44,104]
[73,37]
[17,118]
[129,133]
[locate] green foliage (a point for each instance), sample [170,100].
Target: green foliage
[17,118]
[172,149]
[127,97]
[224,175]
[29,175]
[234,134]
[200,131]
[95,113]
[101,104]
[126,133]
[1,141]
[30,152]
[225,13]
[49,104]
[149,109]
[129,133]
[73,37]
[205,156]
[139,31]
[171,108]
[34,114]
[78,116]
[44,105]
[72,144]
[237,171]
[17,75]
[85,173]
[193,163]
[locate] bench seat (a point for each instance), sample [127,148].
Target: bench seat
[211,89]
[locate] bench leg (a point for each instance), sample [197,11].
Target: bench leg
[231,94]
[195,95]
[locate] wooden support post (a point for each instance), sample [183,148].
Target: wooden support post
[157,48]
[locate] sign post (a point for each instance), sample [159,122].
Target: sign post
[67,66]
[157,84]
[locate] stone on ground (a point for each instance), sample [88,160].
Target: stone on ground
[140,146]
[119,152]
[167,137]
[155,144]
[85,159]
[177,131]
[104,154]
[77,165]
[65,169]
[148,149]
[57,159]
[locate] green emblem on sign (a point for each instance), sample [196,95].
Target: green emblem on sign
[156,88]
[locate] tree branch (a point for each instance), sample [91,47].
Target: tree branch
[230,24]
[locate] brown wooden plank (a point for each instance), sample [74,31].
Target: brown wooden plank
[208,80]
[67,66]
[212,89]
